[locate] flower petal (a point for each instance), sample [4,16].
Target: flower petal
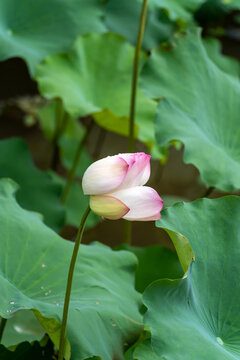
[152,218]
[138,171]
[144,203]
[104,175]
[108,207]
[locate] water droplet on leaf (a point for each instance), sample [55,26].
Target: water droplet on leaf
[219,340]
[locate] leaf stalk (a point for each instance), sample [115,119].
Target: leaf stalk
[2,327]
[128,225]
[135,76]
[72,172]
[69,284]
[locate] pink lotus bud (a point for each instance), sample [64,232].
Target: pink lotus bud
[115,185]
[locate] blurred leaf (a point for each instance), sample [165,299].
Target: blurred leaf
[68,148]
[201,108]
[170,200]
[46,115]
[202,308]
[23,326]
[29,120]
[89,83]
[123,17]
[233,4]
[26,351]
[37,191]
[68,141]
[177,9]
[53,330]
[76,204]
[154,262]
[237,18]
[111,122]
[228,4]
[34,263]
[33,30]
[227,64]
[213,11]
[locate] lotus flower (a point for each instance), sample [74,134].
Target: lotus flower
[115,185]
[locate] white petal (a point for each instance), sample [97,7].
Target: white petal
[144,203]
[150,218]
[104,175]
[108,207]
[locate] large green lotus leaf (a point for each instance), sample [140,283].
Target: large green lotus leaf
[123,18]
[198,317]
[33,30]
[90,84]
[87,82]
[154,262]
[34,263]
[76,204]
[177,9]
[225,63]
[201,108]
[37,190]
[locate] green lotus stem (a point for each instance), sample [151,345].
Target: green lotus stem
[128,232]
[2,327]
[128,225]
[69,284]
[58,122]
[99,143]
[135,76]
[72,172]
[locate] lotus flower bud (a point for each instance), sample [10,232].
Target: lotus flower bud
[115,185]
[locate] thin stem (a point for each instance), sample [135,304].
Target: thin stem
[99,143]
[128,232]
[72,172]
[207,192]
[58,122]
[62,128]
[135,76]
[2,327]
[128,225]
[69,284]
